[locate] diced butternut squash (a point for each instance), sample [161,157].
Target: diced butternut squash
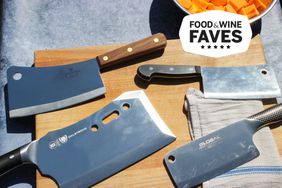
[249,11]
[238,4]
[218,8]
[210,6]
[202,4]
[194,9]
[229,8]
[250,2]
[186,3]
[260,5]
[249,8]
[219,2]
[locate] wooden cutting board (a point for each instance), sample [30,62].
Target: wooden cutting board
[168,99]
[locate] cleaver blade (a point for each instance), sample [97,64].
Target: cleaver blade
[89,151]
[218,152]
[37,90]
[247,82]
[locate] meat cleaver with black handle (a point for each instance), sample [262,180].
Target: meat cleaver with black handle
[91,150]
[220,151]
[246,82]
[36,90]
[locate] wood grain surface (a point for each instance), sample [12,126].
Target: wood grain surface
[167,98]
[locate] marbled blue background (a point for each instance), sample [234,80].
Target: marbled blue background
[29,25]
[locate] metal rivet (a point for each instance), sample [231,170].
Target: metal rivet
[17,76]
[171,68]
[156,40]
[129,49]
[151,68]
[105,58]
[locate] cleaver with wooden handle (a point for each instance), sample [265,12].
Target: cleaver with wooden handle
[218,152]
[92,149]
[37,90]
[247,82]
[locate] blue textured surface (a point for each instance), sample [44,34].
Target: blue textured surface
[42,24]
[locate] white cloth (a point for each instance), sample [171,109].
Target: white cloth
[208,115]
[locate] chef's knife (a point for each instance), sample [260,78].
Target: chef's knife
[91,150]
[218,152]
[249,82]
[37,90]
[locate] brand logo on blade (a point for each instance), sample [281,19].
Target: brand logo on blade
[58,142]
[209,143]
[215,33]
[64,139]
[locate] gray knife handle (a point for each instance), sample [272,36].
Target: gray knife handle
[269,115]
[147,72]
[10,160]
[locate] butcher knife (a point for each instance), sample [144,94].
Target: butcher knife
[220,151]
[247,82]
[34,90]
[91,150]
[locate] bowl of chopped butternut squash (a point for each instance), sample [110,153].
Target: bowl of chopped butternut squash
[253,9]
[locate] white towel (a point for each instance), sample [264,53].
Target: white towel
[208,115]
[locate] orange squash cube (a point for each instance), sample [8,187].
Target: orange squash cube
[229,8]
[238,4]
[249,11]
[260,5]
[219,2]
[194,8]
[203,4]
[210,6]
[250,2]
[219,8]
[186,3]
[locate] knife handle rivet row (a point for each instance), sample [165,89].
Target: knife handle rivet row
[105,58]
[129,49]
[156,40]
[17,76]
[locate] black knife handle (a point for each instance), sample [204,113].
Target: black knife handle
[269,115]
[147,72]
[10,160]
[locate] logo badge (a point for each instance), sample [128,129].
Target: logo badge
[215,33]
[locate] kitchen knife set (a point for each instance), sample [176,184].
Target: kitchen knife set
[102,149]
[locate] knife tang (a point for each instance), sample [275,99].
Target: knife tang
[10,160]
[147,72]
[133,50]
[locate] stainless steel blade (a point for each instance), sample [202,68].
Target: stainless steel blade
[251,82]
[36,90]
[78,157]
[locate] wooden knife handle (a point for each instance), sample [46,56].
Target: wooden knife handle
[133,50]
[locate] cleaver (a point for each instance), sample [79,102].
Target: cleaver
[249,82]
[91,150]
[37,90]
[220,151]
